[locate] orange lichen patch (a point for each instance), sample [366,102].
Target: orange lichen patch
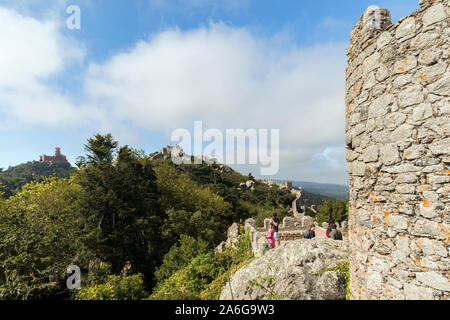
[423,77]
[446,231]
[427,204]
[445,171]
[428,179]
[374,198]
[351,52]
[374,218]
[354,89]
[387,214]
[401,69]
[416,260]
[378,173]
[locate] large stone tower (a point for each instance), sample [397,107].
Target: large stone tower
[398,154]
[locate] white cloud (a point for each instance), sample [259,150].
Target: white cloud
[228,77]
[216,73]
[33,53]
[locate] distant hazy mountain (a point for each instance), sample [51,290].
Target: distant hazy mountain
[335,191]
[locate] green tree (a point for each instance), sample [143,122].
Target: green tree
[180,255]
[190,209]
[39,232]
[119,206]
[332,210]
[115,288]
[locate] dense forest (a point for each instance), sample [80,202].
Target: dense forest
[137,228]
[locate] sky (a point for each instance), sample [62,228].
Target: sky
[140,69]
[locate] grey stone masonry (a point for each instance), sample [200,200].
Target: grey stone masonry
[398,154]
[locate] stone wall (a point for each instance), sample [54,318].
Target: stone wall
[398,153]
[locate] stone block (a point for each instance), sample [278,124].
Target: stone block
[434,14]
[288,222]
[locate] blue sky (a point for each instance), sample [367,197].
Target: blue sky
[140,69]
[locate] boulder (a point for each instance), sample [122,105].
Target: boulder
[220,247]
[250,184]
[250,223]
[307,221]
[260,246]
[299,269]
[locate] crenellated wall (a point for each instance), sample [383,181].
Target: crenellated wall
[398,154]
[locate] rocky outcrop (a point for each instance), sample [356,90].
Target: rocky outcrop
[176,153]
[166,153]
[249,185]
[299,270]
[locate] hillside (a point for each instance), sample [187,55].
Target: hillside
[309,199]
[12,179]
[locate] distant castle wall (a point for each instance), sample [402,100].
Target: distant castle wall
[398,153]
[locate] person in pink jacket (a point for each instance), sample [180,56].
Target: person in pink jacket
[270,236]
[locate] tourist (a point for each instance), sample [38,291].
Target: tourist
[335,234]
[310,234]
[327,233]
[275,222]
[270,235]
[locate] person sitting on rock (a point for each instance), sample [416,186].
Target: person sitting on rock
[310,234]
[327,233]
[335,234]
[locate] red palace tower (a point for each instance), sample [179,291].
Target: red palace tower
[57,157]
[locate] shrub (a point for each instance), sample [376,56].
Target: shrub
[38,239]
[115,288]
[180,255]
[206,274]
